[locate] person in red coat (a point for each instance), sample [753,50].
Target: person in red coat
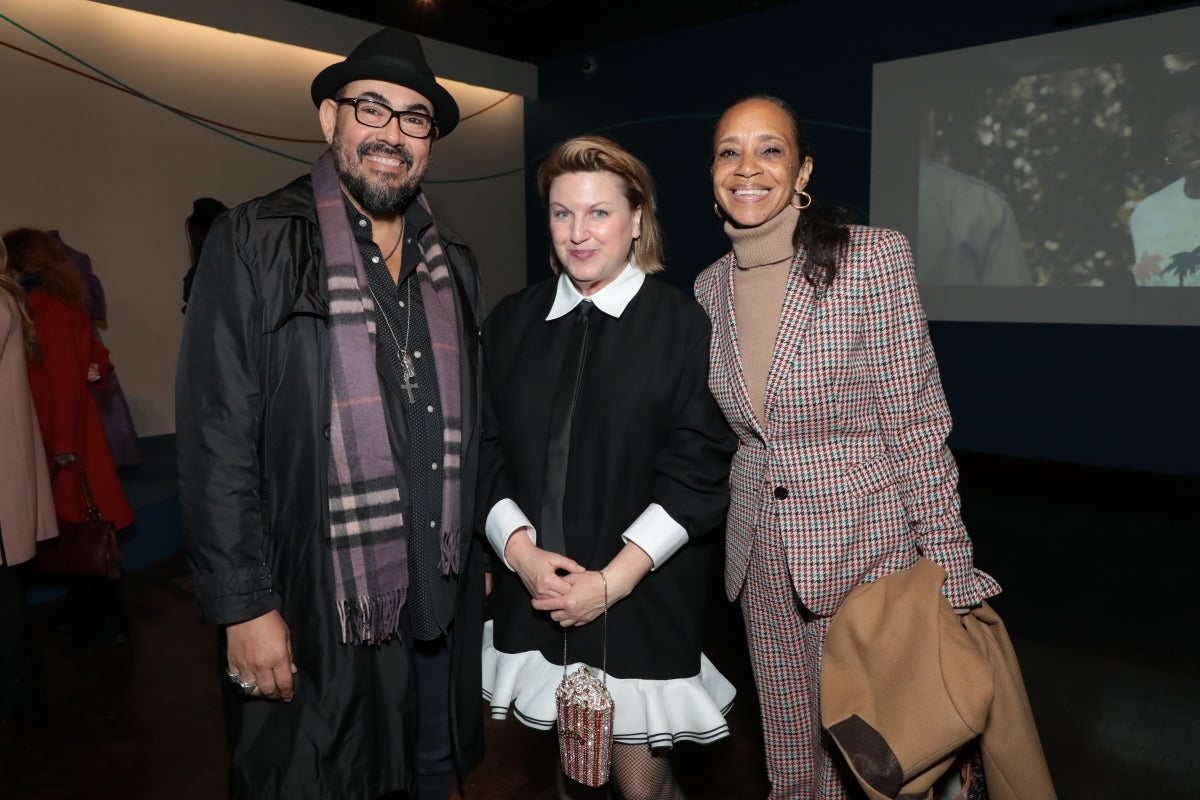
[70,363]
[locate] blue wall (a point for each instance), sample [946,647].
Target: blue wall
[1112,396]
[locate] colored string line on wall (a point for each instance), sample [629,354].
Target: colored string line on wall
[221,128]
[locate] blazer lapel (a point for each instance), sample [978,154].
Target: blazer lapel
[731,353]
[799,303]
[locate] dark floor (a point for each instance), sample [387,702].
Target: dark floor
[1098,599]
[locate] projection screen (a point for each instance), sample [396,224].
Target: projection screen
[1049,179]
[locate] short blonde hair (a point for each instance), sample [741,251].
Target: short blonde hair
[600,154]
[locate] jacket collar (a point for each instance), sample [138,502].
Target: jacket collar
[299,288]
[293,200]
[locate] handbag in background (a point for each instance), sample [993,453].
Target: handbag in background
[585,718]
[81,548]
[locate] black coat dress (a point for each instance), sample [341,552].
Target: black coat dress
[252,422]
[646,430]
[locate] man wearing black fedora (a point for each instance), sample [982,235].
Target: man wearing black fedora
[327,432]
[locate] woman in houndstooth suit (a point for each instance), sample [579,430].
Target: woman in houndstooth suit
[822,363]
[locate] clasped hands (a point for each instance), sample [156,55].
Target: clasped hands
[572,594]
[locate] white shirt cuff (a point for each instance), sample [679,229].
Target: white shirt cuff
[505,519]
[656,533]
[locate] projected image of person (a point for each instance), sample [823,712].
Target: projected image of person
[967,233]
[1165,226]
[822,362]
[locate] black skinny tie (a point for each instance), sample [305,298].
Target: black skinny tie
[558,444]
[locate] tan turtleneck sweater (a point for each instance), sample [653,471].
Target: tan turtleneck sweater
[763,260]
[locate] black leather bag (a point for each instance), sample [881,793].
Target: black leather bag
[87,548]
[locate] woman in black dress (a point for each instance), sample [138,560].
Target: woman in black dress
[630,503]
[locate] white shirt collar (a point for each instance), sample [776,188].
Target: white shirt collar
[612,299]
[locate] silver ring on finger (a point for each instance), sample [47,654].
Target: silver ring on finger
[248,688]
[234,677]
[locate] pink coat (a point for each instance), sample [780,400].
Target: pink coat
[849,470]
[26,504]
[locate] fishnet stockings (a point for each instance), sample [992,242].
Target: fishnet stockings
[638,773]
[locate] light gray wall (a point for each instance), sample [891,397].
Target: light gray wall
[118,177]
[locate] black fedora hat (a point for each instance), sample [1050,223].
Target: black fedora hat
[394,56]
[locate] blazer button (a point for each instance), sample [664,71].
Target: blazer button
[781,493]
[326,432]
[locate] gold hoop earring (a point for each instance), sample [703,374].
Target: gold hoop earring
[717,211]
[801,195]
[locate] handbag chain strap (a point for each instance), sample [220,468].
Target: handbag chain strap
[604,646]
[93,512]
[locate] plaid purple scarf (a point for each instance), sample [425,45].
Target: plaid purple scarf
[367,537]
[437,293]
[369,543]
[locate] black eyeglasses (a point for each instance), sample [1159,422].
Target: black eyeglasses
[374,114]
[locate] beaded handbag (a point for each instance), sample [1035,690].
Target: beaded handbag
[585,718]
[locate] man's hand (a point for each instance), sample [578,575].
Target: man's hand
[260,651]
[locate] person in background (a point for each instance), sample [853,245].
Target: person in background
[643,462]
[195,228]
[97,303]
[108,394]
[61,376]
[26,503]
[1165,226]
[327,429]
[822,363]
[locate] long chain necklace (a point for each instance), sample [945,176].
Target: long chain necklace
[408,368]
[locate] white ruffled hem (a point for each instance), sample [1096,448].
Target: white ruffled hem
[658,713]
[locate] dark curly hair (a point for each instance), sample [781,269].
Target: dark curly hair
[37,258]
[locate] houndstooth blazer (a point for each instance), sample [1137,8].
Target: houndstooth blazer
[848,473]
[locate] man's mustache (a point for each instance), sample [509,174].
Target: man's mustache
[384,150]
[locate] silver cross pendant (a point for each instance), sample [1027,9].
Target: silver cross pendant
[408,372]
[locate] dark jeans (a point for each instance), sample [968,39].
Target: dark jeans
[435,760]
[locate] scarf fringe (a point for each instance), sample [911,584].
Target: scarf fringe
[449,554]
[371,620]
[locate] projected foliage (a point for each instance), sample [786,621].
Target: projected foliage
[1074,151]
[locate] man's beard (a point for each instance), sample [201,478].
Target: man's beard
[375,196]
